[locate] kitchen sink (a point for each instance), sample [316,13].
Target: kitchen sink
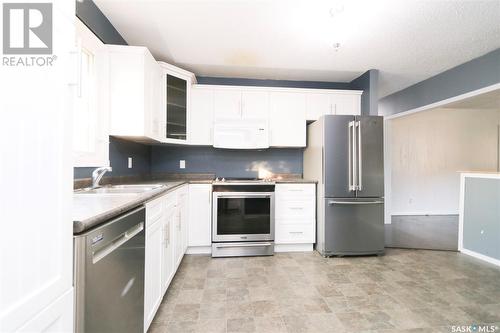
[119,189]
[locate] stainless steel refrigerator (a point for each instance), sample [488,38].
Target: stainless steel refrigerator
[345,156]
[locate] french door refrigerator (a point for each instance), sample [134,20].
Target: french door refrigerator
[344,155]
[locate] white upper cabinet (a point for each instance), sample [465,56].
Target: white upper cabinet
[236,103]
[254,104]
[134,93]
[285,110]
[227,104]
[287,119]
[346,103]
[201,116]
[318,104]
[91,117]
[342,102]
[176,102]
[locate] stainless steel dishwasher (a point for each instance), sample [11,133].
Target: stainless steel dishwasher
[109,276]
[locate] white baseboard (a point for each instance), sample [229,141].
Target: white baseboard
[199,250]
[293,248]
[480,256]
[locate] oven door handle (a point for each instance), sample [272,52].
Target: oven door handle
[242,245]
[243,195]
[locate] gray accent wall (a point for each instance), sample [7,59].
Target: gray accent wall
[88,12]
[475,74]
[224,162]
[481,229]
[368,82]
[432,232]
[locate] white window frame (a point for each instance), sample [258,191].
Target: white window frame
[99,156]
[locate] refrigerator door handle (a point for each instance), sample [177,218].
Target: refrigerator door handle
[333,202]
[349,140]
[353,159]
[360,158]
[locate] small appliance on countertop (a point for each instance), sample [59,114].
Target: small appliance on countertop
[243,217]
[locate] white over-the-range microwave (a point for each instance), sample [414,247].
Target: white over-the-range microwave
[241,133]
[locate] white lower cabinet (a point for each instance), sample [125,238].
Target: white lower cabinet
[152,272]
[167,253]
[295,216]
[166,242]
[200,218]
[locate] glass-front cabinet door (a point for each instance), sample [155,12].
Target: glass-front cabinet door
[176,108]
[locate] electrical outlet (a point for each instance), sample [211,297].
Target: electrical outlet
[182,164]
[130,162]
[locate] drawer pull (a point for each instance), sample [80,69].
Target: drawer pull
[296,232]
[297,208]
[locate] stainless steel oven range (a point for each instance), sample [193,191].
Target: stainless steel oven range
[243,218]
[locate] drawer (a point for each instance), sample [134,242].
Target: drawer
[287,190]
[295,233]
[154,210]
[297,209]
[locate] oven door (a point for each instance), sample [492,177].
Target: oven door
[243,216]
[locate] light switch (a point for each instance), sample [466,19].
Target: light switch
[130,162]
[182,164]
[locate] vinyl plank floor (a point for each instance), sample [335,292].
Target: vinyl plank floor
[402,291]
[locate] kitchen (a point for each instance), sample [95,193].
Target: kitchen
[201,183]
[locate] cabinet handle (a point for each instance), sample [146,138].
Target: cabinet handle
[167,235]
[296,208]
[296,232]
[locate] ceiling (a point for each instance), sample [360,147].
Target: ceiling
[408,41]
[486,101]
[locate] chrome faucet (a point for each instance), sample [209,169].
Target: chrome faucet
[97,175]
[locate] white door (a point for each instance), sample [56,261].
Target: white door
[287,116]
[346,104]
[57,317]
[254,104]
[227,104]
[153,290]
[36,173]
[201,117]
[317,104]
[200,215]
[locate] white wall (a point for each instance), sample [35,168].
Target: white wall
[427,149]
